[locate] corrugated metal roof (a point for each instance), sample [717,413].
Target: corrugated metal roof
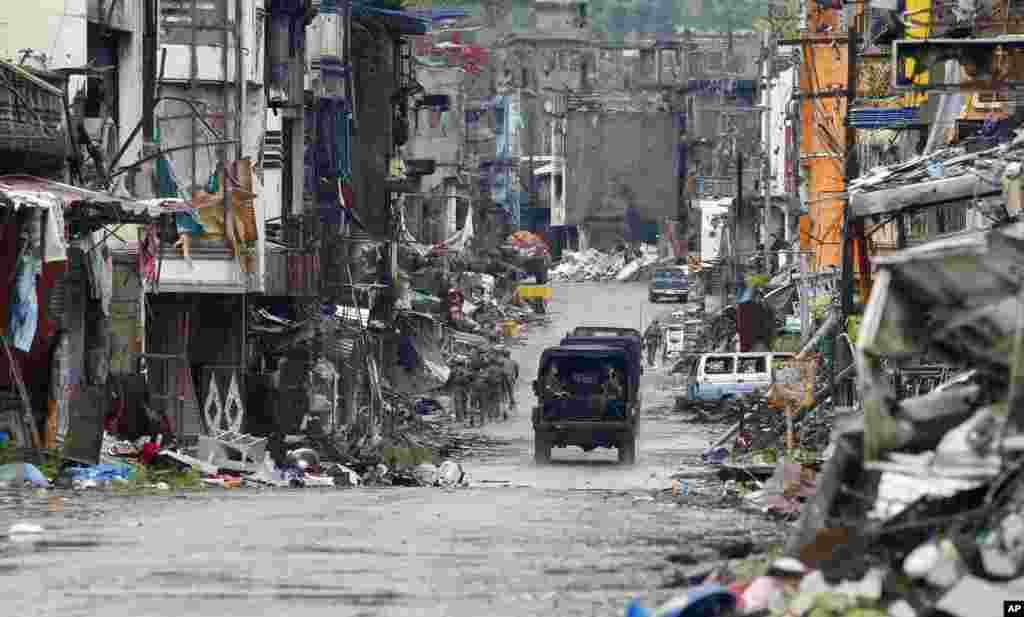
[32,191]
[403,22]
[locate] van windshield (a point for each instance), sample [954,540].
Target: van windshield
[584,377]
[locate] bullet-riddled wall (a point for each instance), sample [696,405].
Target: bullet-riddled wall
[616,161]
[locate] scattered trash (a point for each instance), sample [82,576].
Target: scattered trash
[593,265]
[450,474]
[305,459]
[711,600]
[25,533]
[232,451]
[20,474]
[102,472]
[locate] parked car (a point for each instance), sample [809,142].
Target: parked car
[672,283]
[721,376]
[587,396]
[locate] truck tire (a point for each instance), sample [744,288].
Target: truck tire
[627,450]
[541,448]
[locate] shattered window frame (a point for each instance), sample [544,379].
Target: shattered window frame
[760,364]
[728,364]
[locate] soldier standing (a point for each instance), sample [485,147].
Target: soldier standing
[460,391]
[510,376]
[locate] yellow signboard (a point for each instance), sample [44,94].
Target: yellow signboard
[530,292]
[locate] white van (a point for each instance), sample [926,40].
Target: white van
[720,376]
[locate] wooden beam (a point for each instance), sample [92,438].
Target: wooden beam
[924,194]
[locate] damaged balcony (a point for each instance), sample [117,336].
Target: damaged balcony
[218,250]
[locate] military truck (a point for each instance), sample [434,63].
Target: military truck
[587,396]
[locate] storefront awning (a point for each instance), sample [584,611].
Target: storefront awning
[30,191]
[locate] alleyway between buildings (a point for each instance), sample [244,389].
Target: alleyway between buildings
[577,537]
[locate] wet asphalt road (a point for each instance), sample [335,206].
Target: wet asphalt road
[578,537]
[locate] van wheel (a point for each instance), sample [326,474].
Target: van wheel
[627,450]
[541,449]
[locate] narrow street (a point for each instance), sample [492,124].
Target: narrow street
[578,537]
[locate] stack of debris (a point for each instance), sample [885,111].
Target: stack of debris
[919,507]
[621,265]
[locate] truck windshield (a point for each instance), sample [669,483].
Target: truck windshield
[585,377]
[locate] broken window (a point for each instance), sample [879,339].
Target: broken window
[752,365]
[951,218]
[176,21]
[718,365]
[918,226]
[696,61]
[714,62]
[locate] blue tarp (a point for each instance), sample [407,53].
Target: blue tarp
[440,14]
[106,471]
[883,117]
[403,22]
[24,472]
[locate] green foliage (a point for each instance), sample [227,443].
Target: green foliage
[401,457]
[819,306]
[786,343]
[758,280]
[853,327]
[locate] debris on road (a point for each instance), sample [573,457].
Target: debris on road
[709,600]
[621,266]
[21,474]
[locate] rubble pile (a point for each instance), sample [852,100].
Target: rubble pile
[916,505]
[593,265]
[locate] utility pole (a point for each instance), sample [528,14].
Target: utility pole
[851,171]
[766,167]
[737,212]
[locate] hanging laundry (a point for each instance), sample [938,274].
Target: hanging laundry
[24,304]
[287,31]
[473,116]
[55,244]
[424,45]
[100,270]
[149,247]
[435,119]
[444,123]
[406,353]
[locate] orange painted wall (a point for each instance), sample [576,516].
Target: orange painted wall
[823,139]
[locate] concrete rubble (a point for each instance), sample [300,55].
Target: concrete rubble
[909,503]
[621,265]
